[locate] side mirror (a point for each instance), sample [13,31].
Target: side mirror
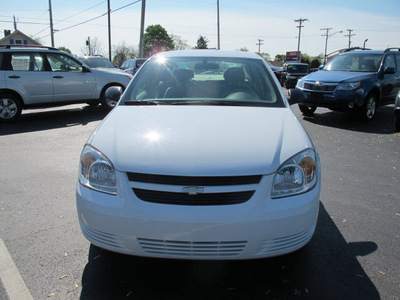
[296,96]
[389,70]
[114,93]
[85,69]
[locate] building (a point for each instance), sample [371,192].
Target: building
[17,38]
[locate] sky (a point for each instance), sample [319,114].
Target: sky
[242,23]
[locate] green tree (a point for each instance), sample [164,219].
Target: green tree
[264,56]
[243,49]
[65,49]
[202,42]
[156,39]
[280,57]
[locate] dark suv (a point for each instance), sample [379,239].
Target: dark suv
[356,81]
[293,72]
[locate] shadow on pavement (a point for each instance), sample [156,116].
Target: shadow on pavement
[383,122]
[45,119]
[327,268]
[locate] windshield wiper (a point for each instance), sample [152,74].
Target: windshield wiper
[142,102]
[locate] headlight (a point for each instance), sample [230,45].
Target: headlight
[348,86]
[300,84]
[297,175]
[96,171]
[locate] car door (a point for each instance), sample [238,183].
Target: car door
[25,74]
[71,82]
[390,84]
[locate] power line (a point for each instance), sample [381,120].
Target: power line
[87,21]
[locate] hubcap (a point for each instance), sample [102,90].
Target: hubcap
[8,108]
[111,103]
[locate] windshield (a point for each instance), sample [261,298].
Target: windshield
[298,68]
[203,81]
[97,62]
[360,62]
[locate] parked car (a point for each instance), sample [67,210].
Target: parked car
[397,112]
[131,66]
[202,158]
[97,61]
[293,72]
[277,71]
[45,76]
[355,81]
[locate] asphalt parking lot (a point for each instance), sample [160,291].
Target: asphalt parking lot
[353,255]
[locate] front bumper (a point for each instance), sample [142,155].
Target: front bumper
[338,100]
[260,227]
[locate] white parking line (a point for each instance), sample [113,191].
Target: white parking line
[10,277]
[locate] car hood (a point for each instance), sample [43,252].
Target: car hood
[337,76]
[199,140]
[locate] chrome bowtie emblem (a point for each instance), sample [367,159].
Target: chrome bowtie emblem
[193,190]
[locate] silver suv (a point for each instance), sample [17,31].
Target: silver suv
[44,76]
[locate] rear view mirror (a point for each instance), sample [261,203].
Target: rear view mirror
[296,96]
[114,93]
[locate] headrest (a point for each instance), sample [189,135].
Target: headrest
[183,75]
[234,75]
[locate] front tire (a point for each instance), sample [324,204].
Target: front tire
[307,110]
[10,107]
[397,120]
[369,108]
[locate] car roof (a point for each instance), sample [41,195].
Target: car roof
[208,53]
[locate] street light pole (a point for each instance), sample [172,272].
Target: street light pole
[366,40]
[51,25]
[219,43]
[142,28]
[109,30]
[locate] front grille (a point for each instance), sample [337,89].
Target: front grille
[192,249]
[198,199]
[193,190]
[323,87]
[194,180]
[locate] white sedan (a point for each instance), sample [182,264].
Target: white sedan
[202,158]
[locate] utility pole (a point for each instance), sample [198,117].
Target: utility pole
[219,45]
[327,35]
[109,30]
[260,42]
[15,24]
[300,21]
[51,25]
[142,27]
[326,40]
[350,35]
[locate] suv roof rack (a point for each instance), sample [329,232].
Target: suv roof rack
[390,49]
[355,48]
[28,46]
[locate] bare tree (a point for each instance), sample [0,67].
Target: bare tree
[122,52]
[95,47]
[179,43]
